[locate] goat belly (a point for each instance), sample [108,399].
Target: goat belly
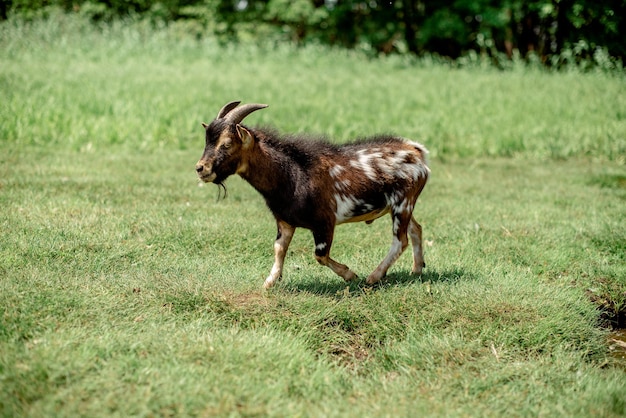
[351,208]
[300,213]
[368,217]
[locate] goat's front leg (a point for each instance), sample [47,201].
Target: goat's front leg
[283,239]
[323,241]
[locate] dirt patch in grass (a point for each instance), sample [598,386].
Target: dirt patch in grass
[332,330]
[248,300]
[617,346]
[613,313]
[612,181]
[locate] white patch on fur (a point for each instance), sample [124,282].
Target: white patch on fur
[396,226]
[374,161]
[402,206]
[336,171]
[342,185]
[320,246]
[396,248]
[345,207]
[417,145]
[423,171]
[396,166]
[365,162]
[393,198]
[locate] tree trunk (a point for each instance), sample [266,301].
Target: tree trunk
[562,25]
[410,24]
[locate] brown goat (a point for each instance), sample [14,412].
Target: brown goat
[316,185]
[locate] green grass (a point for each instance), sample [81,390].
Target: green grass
[142,89]
[129,290]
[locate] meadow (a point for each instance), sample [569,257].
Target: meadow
[129,289]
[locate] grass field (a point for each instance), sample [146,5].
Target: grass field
[128,289]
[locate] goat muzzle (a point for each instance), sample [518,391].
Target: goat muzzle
[204,173]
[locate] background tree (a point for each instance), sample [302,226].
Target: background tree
[557,31]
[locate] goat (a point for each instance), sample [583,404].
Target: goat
[316,185]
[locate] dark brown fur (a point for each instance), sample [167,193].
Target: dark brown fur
[313,184]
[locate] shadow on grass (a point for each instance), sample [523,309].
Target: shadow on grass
[339,288]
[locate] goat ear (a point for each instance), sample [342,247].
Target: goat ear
[205,126]
[246,137]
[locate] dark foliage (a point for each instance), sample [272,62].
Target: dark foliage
[556,31]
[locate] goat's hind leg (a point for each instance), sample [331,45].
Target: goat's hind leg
[283,239]
[398,245]
[323,241]
[415,233]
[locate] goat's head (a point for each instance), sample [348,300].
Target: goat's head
[226,143]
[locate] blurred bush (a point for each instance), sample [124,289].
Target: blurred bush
[553,32]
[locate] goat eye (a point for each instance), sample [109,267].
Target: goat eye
[227,144]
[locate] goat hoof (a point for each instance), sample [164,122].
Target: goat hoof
[270,282]
[371,280]
[350,275]
[417,270]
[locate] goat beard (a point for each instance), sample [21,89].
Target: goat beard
[221,186]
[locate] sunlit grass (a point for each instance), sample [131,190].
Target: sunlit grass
[141,89]
[121,270]
[129,290]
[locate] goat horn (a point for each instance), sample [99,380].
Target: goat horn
[237,115]
[227,108]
